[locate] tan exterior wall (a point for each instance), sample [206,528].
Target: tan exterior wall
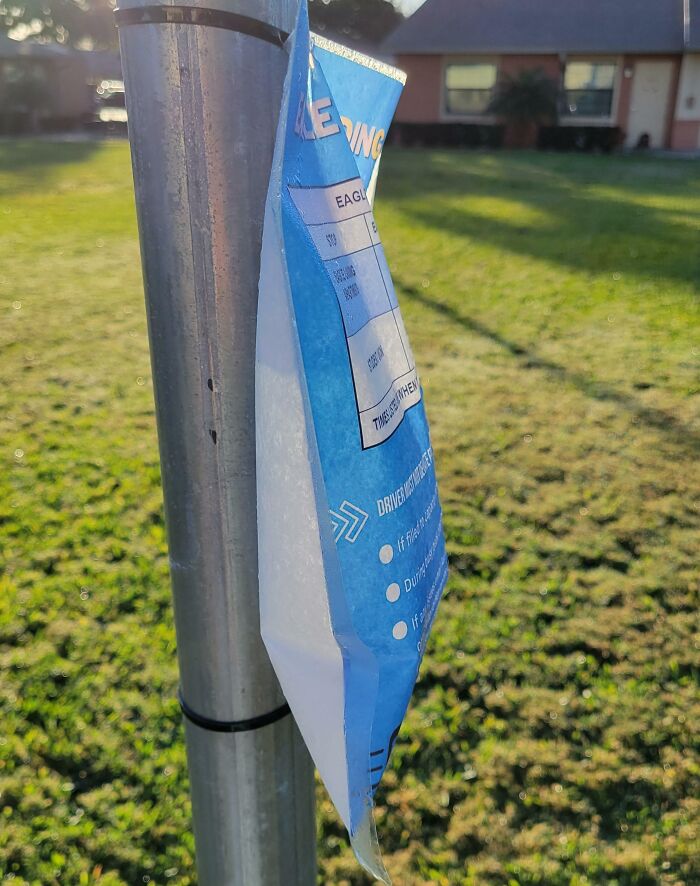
[685,130]
[671,110]
[70,90]
[511,65]
[688,99]
[685,135]
[626,95]
[422,95]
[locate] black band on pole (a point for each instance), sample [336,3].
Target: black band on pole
[197,15]
[232,725]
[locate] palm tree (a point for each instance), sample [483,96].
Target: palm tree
[525,101]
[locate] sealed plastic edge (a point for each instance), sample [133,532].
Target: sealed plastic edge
[359,58]
[365,845]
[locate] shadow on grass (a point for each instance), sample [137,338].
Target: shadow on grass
[26,164]
[579,226]
[683,437]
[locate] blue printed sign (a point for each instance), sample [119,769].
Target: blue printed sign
[352,554]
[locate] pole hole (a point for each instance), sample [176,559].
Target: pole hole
[212,434]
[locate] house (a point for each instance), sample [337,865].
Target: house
[627,70]
[49,86]
[41,85]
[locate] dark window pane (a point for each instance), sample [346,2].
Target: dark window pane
[588,102]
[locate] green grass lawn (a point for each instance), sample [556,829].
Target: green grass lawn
[554,734]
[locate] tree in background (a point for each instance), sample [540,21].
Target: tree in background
[23,94]
[525,102]
[90,23]
[72,22]
[356,22]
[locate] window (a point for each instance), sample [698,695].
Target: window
[469,87]
[588,89]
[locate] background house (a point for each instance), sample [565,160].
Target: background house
[627,70]
[39,82]
[47,86]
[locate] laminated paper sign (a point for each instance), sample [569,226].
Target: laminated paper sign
[352,554]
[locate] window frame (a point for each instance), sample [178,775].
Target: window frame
[451,60]
[588,119]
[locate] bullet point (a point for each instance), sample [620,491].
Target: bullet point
[400,630]
[393,592]
[386,554]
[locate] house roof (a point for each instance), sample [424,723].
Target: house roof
[528,26]
[693,11]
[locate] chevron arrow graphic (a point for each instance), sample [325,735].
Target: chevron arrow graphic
[348,521]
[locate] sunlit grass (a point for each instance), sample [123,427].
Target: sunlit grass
[552,306]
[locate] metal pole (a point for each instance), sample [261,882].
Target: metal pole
[203,99]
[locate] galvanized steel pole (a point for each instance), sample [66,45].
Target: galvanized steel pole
[203,87]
